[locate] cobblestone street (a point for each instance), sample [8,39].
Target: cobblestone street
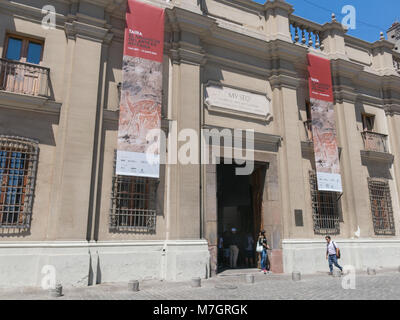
[232,286]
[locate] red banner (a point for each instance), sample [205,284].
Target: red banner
[140,106]
[320,78]
[324,125]
[144,33]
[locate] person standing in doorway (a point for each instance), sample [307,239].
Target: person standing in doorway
[332,252]
[226,250]
[249,250]
[234,248]
[262,240]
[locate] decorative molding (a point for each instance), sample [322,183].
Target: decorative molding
[96,244]
[270,141]
[340,241]
[285,81]
[78,29]
[392,109]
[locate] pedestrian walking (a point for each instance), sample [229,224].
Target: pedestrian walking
[332,254]
[262,240]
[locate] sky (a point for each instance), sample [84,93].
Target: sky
[372,16]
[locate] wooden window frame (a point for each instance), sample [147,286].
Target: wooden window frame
[24,47]
[364,117]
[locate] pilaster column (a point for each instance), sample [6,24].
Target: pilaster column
[277,20]
[393,118]
[333,39]
[290,156]
[349,165]
[70,199]
[382,57]
[185,187]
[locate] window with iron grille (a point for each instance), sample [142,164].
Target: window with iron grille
[325,208]
[18,162]
[133,206]
[381,206]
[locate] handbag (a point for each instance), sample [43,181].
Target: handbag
[259,247]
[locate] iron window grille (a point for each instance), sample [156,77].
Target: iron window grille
[381,206]
[18,164]
[133,204]
[325,209]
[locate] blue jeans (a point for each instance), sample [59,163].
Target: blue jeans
[264,259]
[333,261]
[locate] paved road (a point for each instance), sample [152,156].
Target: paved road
[232,285]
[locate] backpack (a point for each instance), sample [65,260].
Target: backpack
[338,250]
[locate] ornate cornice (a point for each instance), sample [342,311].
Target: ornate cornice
[392,109]
[78,29]
[278,4]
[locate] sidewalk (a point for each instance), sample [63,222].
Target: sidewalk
[231,285]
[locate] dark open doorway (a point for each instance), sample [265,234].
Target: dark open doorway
[239,200]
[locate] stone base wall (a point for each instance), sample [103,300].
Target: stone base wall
[79,263]
[308,256]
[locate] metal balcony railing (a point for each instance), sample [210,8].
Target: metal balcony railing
[308,129]
[24,78]
[375,141]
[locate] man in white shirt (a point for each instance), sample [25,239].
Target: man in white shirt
[332,252]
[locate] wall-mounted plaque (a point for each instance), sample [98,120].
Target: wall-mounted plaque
[230,100]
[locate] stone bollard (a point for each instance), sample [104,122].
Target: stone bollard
[250,278]
[56,292]
[196,282]
[296,276]
[371,271]
[337,273]
[133,285]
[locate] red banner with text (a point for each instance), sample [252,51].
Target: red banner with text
[141,92]
[324,125]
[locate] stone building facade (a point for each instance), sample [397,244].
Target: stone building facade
[393,35]
[59,101]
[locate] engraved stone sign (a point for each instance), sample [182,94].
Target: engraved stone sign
[230,100]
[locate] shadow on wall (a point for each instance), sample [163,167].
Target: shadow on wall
[29,124]
[377,169]
[91,280]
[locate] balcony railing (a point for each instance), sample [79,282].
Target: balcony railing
[375,141]
[396,62]
[24,78]
[306,32]
[308,129]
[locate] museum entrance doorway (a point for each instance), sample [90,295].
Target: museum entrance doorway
[239,202]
